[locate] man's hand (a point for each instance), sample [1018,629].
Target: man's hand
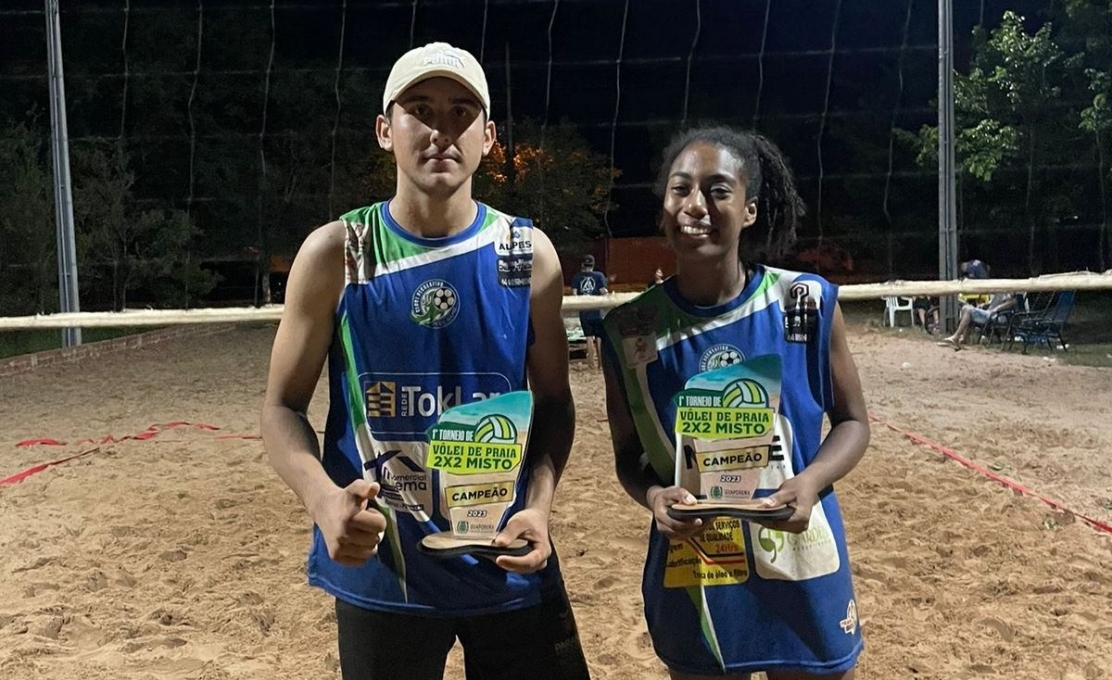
[530,524]
[662,499]
[801,494]
[351,529]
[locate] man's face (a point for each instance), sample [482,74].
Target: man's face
[438,135]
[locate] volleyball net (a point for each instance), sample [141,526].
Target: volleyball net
[572,304]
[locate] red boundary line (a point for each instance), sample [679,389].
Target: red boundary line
[20,476]
[985,472]
[154,430]
[150,433]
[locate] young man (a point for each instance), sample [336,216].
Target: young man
[421,303]
[587,281]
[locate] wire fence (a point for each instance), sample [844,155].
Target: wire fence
[256,118]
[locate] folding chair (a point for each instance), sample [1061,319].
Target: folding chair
[1043,327]
[997,327]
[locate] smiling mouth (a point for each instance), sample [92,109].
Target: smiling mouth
[694,230]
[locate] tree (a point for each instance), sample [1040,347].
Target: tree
[1006,111]
[269,209]
[139,249]
[28,275]
[1088,29]
[168,276]
[561,184]
[1097,119]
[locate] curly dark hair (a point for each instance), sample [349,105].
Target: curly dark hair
[767,178]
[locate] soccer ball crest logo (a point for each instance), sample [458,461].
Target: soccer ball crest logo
[720,356]
[435,304]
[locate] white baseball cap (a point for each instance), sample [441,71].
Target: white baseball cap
[436,60]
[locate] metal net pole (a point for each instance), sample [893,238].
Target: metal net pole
[68,296]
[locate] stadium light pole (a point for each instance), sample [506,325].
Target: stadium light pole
[63,194]
[947,203]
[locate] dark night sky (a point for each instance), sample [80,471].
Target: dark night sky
[725,65]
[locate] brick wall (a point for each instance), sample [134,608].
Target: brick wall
[55,357]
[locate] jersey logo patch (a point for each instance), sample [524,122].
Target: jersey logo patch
[720,356]
[801,316]
[435,304]
[639,350]
[849,624]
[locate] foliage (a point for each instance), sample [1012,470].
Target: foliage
[558,181]
[1009,113]
[125,248]
[28,272]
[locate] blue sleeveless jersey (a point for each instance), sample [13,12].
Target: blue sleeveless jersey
[423,325]
[740,597]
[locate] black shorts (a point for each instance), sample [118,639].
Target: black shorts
[591,322]
[538,642]
[592,328]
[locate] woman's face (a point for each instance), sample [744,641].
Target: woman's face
[705,204]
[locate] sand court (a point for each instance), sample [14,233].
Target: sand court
[182,555]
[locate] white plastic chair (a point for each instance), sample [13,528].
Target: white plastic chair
[892,305]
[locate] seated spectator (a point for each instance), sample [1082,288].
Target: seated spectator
[924,306]
[980,315]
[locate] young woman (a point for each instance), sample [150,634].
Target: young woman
[725,597]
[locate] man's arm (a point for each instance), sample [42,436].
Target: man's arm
[300,348]
[554,418]
[1006,304]
[604,287]
[553,409]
